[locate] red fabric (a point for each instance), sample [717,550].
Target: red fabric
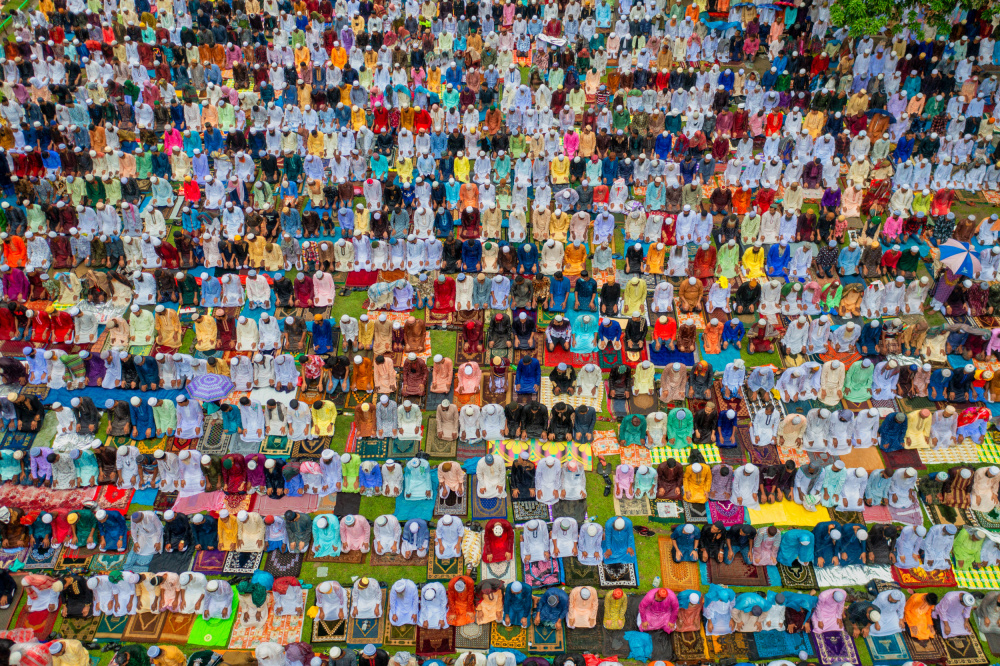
[498,548]
[41,327]
[62,327]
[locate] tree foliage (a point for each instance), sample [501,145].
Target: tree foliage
[873,17]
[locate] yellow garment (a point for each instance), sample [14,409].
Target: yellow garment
[753,262]
[462,169]
[404,169]
[316,144]
[274,259]
[559,169]
[559,226]
[362,220]
[229,529]
[170,655]
[366,333]
[74,654]
[697,484]
[635,296]
[654,260]
[255,250]
[301,57]
[358,119]
[206,333]
[324,419]
[574,259]
[918,431]
[338,56]
[168,329]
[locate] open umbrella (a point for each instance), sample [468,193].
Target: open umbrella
[960,258]
[210,387]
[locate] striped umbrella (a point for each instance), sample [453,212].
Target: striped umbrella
[960,258]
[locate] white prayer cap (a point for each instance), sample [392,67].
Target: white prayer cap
[839,596]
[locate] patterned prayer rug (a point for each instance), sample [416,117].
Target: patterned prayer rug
[209,562]
[372,448]
[352,557]
[798,578]
[403,448]
[105,563]
[503,571]
[310,449]
[546,640]
[695,513]
[576,574]
[736,646]
[177,628]
[211,442]
[472,637]
[508,638]
[438,448]
[625,506]
[877,514]
[276,446]
[730,514]
[281,564]
[35,560]
[929,651]
[487,508]
[110,628]
[438,569]
[329,631]
[459,506]
[917,578]
[618,575]
[525,510]
[904,458]
[544,574]
[241,563]
[909,516]
[689,647]
[887,649]
[677,577]
[362,632]
[835,647]
[433,642]
[775,644]
[144,627]
[82,629]
[737,573]
[466,450]
[400,637]
[965,651]
[70,558]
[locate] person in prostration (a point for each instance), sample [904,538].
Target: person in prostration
[658,610]
[918,615]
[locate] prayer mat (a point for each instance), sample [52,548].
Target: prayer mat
[372,448]
[774,644]
[989,520]
[164,500]
[459,508]
[689,647]
[237,445]
[276,446]
[851,575]
[917,578]
[438,448]
[798,578]
[503,571]
[632,507]
[576,574]
[878,514]
[636,456]
[211,442]
[281,564]
[487,508]
[472,637]
[848,517]
[668,511]
[144,627]
[348,504]
[546,640]
[928,652]
[575,509]
[965,651]
[114,498]
[622,574]
[508,638]
[351,557]
[362,632]
[643,404]
[390,560]
[210,562]
[438,569]
[677,576]
[310,449]
[904,458]
[105,563]
[82,629]
[177,628]
[835,647]
[737,573]
[735,646]
[462,356]
[466,450]
[433,642]
[34,560]
[403,448]
[330,631]
[993,641]
[75,558]
[7,614]
[730,514]
[588,641]
[137,563]
[762,455]
[241,563]
[173,562]
[404,636]
[609,358]
[110,628]
[887,649]
[544,574]
[695,513]
[213,633]
[942,514]
[869,459]
[14,440]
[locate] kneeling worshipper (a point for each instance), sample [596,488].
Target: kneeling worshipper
[658,610]
[366,599]
[218,602]
[953,613]
[491,477]
[552,608]
[448,538]
[387,535]
[829,613]
[719,603]
[404,603]
[918,615]
[583,607]
[433,613]
[415,539]
[517,604]
[461,601]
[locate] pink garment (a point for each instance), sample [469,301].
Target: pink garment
[893,227]
[356,536]
[169,590]
[658,614]
[828,611]
[625,482]
[323,290]
[171,139]
[467,383]
[766,554]
[571,143]
[994,344]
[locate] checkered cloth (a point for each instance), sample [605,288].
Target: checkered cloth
[966,452]
[989,452]
[549,400]
[978,579]
[663,453]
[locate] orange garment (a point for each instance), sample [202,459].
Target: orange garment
[713,338]
[15,252]
[364,375]
[741,201]
[654,259]
[574,259]
[917,616]
[461,605]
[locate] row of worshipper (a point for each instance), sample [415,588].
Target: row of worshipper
[891,612]
[533,420]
